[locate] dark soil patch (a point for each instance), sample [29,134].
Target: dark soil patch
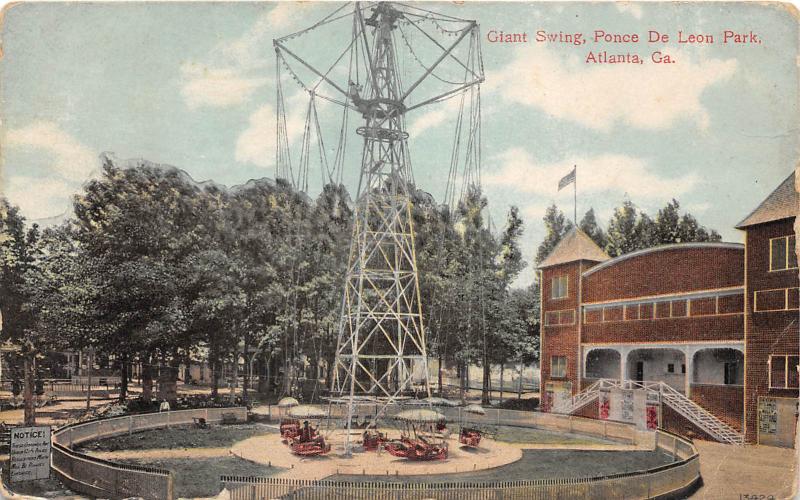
[214,436]
[199,477]
[541,464]
[529,404]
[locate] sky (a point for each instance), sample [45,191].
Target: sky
[193,85]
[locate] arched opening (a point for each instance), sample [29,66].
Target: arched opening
[658,365]
[602,363]
[718,366]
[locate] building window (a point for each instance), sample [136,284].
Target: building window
[683,368]
[779,299]
[783,371]
[560,318]
[558,366]
[670,368]
[560,287]
[781,253]
[679,309]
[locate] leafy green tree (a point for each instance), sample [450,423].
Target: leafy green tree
[19,252]
[622,230]
[556,226]
[592,229]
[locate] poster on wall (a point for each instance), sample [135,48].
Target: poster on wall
[557,395]
[652,406]
[767,416]
[627,413]
[604,404]
[631,406]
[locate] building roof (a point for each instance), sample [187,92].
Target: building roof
[662,248]
[574,246]
[782,203]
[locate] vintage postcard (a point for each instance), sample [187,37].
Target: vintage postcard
[407,250]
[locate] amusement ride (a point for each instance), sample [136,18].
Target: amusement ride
[382,61]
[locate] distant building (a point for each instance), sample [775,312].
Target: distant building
[715,322]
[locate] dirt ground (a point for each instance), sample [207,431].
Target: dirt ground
[736,471]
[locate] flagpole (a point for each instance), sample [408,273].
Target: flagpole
[575,190]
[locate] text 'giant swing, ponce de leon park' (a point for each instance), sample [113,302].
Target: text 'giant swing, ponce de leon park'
[383,61]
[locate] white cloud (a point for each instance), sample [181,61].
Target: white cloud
[607,173]
[257,143]
[648,96]
[38,197]
[236,68]
[219,88]
[633,9]
[533,211]
[68,164]
[69,157]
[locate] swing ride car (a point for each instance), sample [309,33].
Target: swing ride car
[290,427]
[372,439]
[471,436]
[419,440]
[308,442]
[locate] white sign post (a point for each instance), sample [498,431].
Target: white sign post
[30,453]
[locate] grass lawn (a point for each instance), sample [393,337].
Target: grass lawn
[199,477]
[214,436]
[512,434]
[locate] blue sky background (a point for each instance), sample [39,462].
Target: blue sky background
[192,85]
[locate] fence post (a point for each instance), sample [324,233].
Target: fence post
[674,447]
[130,425]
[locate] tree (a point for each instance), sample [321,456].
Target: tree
[667,224]
[592,229]
[19,252]
[622,233]
[141,224]
[556,226]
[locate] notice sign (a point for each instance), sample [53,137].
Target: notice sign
[30,453]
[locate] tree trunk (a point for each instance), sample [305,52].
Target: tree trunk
[439,375]
[123,381]
[485,399]
[502,375]
[214,362]
[519,386]
[147,380]
[247,365]
[461,382]
[27,391]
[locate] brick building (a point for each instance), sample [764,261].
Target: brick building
[709,330]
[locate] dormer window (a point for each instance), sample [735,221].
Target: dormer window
[781,253]
[560,288]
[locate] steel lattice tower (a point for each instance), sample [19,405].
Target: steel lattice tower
[381,333]
[381,341]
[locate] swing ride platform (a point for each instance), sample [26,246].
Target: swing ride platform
[268,449]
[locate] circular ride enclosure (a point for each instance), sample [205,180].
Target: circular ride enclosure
[526,455]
